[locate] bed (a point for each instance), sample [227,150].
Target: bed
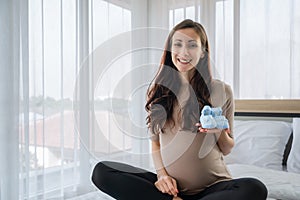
[267,146]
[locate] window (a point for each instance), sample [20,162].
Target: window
[223,65]
[51,149]
[268,49]
[177,14]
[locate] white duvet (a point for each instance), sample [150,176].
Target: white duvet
[280,184]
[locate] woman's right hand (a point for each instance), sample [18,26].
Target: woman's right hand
[167,184]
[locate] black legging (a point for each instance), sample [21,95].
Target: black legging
[125,182]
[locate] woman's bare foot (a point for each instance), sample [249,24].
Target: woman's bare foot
[177,198]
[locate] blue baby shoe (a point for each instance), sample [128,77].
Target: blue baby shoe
[221,121]
[206,118]
[216,111]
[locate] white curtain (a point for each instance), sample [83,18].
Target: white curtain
[74,76]
[76,97]
[269,49]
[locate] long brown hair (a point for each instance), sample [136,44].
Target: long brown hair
[161,94]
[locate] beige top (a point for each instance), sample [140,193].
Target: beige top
[194,159]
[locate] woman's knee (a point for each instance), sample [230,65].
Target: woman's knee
[257,188]
[100,174]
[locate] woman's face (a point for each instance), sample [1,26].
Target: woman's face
[186,49]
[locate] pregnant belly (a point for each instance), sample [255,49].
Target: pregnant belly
[193,171]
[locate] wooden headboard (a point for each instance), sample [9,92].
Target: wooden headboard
[268,108]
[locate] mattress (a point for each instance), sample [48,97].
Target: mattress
[281,185]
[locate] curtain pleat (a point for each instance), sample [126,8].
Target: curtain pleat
[10,61]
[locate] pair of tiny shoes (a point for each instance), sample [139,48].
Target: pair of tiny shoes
[213,118]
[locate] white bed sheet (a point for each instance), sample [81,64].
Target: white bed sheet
[281,185]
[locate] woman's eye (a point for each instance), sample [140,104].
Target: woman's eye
[177,45]
[193,45]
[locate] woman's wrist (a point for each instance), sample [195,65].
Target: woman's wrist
[161,173]
[228,133]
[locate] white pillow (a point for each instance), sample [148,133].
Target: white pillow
[293,162]
[260,143]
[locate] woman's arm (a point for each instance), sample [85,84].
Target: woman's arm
[164,183]
[157,160]
[225,141]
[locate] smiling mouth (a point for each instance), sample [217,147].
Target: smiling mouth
[184,61]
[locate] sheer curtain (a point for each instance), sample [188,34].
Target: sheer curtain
[269,49]
[60,112]
[78,97]
[74,76]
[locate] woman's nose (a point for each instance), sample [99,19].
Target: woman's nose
[184,51]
